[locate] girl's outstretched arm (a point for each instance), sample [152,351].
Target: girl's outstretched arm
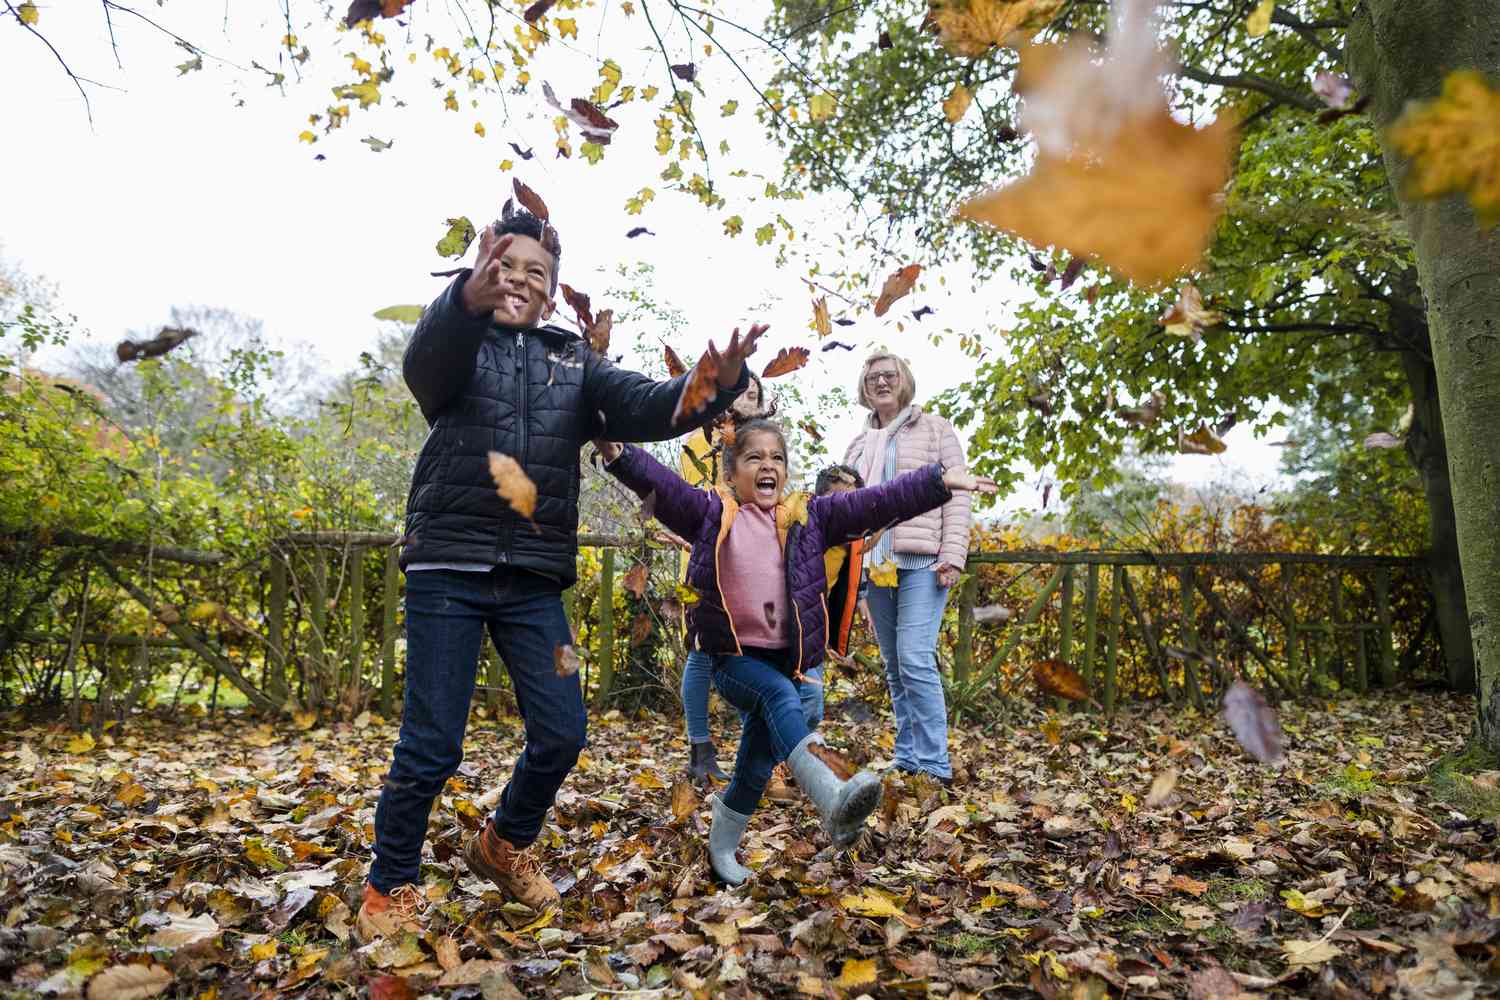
[858,512]
[677,505]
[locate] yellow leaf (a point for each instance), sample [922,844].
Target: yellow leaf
[366,93]
[871,903]
[305,720]
[203,611]
[734,225]
[264,950]
[512,484]
[1259,21]
[821,106]
[1187,317]
[821,322]
[648,779]
[856,972]
[1296,901]
[507,165]
[969,28]
[1454,142]
[479,129]
[82,743]
[1202,441]
[957,103]
[1309,952]
[28,13]
[567,27]
[883,574]
[308,137]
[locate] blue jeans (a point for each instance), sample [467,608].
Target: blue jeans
[447,613]
[695,676]
[906,618]
[771,710]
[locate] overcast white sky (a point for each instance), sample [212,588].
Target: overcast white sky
[175,196]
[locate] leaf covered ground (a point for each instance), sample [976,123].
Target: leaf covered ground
[1151,856]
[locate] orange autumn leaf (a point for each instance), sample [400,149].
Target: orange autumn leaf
[512,484]
[970,28]
[635,580]
[821,324]
[837,762]
[579,301]
[675,367]
[1057,678]
[700,389]
[1188,317]
[1202,441]
[529,199]
[640,629]
[565,660]
[598,331]
[897,285]
[787,360]
[684,800]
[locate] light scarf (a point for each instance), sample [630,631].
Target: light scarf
[878,465]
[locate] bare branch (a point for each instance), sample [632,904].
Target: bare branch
[1249,81]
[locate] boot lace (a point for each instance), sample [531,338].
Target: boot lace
[525,863]
[407,902]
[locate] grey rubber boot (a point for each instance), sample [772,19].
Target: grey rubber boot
[842,804]
[723,840]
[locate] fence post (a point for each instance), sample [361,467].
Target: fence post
[606,654]
[963,663]
[389,598]
[318,615]
[1090,623]
[356,626]
[1185,577]
[276,630]
[1065,627]
[1289,623]
[1112,641]
[1335,619]
[1383,617]
[1153,649]
[1361,664]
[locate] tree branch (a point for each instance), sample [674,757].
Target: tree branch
[1259,84]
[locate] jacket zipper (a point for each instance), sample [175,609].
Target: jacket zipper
[520,456]
[791,600]
[738,649]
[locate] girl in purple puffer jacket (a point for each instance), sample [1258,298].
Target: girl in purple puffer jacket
[757,568]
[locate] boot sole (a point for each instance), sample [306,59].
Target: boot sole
[861,798]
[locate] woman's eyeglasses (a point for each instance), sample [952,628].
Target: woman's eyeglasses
[876,378]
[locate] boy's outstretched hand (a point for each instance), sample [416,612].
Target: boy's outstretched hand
[961,479]
[608,450]
[483,291]
[733,358]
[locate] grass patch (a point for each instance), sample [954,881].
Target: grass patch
[1351,783]
[1229,890]
[1451,783]
[965,944]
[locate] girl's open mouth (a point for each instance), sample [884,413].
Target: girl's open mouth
[767,487]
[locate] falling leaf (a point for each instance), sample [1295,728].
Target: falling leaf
[455,243]
[1333,89]
[530,200]
[820,321]
[28,14]
[537,9]
[838,344]
[1161,787]
[639,231]
[1071,272]
[1383,439]
[597,333]
[368,10]
[524,154]
[883,574]
[1452,142]
[684,800]
[1144,415]
[844,321]
[640,629]
[957,103]
[377,145]
[970,28]
[1200,442]
[992,614]
[1057,678]
[1316,952]
[130,982]
[917,314]
[580,304]
[787,360]
[1041,401]
[699,390]
[596,126]
[811,430]
[169,338]
[896,286]
[512,483]
[856,972]
[1254,722]
[884,41]
[675,367]
[1259,21]
[635,580]
[400,314]
[565,660]
[684,71]
[1187,317]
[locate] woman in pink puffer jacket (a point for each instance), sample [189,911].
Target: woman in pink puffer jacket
[926,555]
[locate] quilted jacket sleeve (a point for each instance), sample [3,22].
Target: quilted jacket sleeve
[680,507]
[440,359]
[847,516]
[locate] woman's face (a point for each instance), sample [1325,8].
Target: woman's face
[747,404]
[760,470]
[883,384]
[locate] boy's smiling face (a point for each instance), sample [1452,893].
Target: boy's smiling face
[526,276]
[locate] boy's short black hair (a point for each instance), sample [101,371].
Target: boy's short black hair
[837,474]
[519,222]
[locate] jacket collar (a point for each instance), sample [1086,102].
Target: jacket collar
[546,329]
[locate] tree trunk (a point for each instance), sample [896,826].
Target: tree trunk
[1400,50]
[1429,454]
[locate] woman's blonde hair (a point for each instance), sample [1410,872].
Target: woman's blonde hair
[906,391]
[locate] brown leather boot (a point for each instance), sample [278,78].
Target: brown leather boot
[518,874]
[779,788]
[382,915]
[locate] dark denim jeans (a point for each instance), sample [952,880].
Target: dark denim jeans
[774,722]
[447,613]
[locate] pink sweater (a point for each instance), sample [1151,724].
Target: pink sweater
[752,573]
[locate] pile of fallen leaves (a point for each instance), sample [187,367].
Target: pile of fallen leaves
[1072,857]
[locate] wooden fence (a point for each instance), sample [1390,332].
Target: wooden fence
[299,581]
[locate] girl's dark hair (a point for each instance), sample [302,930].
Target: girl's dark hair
[838,474]
[742,433]
[519,222]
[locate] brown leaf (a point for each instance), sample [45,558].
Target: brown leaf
[1254,722]
[391,988]
[565,660]
[129,982]
[1191,886]
[537,9]
[513,485]
[598,331]
[837,762]
[700,389]
[1202,441]
[579,301]
[529,199]
[897,285]
[1187,317]
[1161,787]
[446,950]
[1057,678]
[595,125]
[821,324]
[635,580]
[684,800]
[170,337]
[787,360]
[1144,415]
[675,366]
[811,430]
[640,629]
[368,10]
[684,71]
